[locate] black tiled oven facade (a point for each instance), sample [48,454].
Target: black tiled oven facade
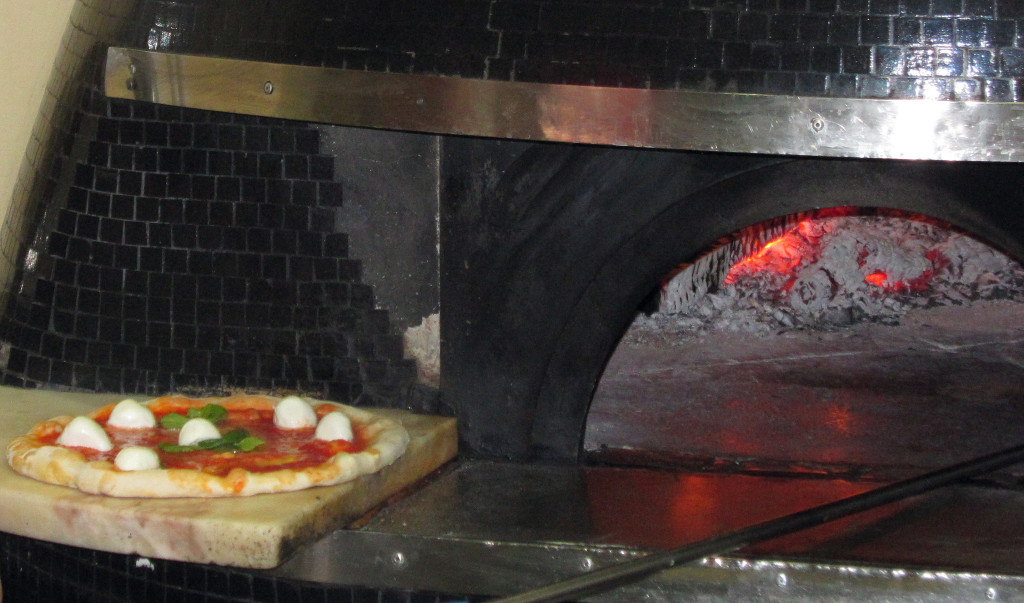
[197,252]
[938,49]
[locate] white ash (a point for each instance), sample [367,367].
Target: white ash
[825,287]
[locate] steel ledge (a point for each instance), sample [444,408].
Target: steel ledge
[497,529]
[664,119]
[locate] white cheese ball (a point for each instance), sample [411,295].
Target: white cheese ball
[335,426]
[129,414]
[137,458]
[85,433]
[294,413]
[197,430]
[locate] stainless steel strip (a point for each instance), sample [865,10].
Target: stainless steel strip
[669,119]
[468,566]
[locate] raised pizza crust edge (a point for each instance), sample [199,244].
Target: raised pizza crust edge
[386,441]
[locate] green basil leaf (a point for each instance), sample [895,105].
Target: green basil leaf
[193,413]
[208,444]
[172,420]
[169,447]
[234,436]
[213,412]
[248,443]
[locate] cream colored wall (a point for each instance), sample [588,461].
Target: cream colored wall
[30,34]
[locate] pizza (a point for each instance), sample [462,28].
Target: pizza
[175,446]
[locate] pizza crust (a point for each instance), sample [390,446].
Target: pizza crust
[385,439]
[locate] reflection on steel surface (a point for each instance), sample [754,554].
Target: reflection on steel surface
[496,528]
[672,119]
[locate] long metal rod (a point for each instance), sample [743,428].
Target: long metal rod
[606,578]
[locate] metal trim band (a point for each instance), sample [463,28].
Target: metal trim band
[664,119]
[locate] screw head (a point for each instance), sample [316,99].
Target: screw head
[268,87]
[817,124]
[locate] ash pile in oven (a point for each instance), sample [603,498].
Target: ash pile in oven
[831,271]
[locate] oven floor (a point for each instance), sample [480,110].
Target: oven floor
[945,385]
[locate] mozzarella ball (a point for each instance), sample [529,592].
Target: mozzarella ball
[85,433]
[137,458]
[197,430]
[294,413]
[334,426]
[130,414]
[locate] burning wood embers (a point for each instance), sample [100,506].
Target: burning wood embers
[832,269]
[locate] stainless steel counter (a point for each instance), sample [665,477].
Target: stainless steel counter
[495,528]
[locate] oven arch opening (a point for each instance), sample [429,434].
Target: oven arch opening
[548,250]
[849,342]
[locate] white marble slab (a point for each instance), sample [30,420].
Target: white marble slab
[256,531]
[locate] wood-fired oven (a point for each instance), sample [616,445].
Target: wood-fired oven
[285,196]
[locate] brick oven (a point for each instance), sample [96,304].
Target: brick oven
[286,196]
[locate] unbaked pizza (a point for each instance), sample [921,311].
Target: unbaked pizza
[182,447]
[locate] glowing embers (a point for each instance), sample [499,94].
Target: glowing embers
[841,249]
[841,266]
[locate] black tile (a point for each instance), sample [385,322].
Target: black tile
[752,27]
[180,134]
[160,234]
[937,31]
[230,137]
[949,62]
[228,188]
[980,63]
[155,185]
[935,88]
[907,31]
[307,141]
[175,261]
[1011,62]
[105,180]
[296,166]
[205,136]
[146,159]
[129,183]
[271,165]
[147,209]
[195,161]
[170,160]
[131,132]
[204,187]
[156,133]
[103,254]
[99,153]
[905,87]
[221,163]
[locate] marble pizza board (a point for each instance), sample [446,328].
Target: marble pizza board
[254,532]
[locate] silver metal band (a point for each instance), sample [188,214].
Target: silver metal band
[668,119]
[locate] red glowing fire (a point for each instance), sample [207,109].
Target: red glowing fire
[802,247]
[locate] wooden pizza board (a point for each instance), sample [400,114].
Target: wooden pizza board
[254,531]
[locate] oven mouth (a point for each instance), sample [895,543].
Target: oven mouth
[845,342]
